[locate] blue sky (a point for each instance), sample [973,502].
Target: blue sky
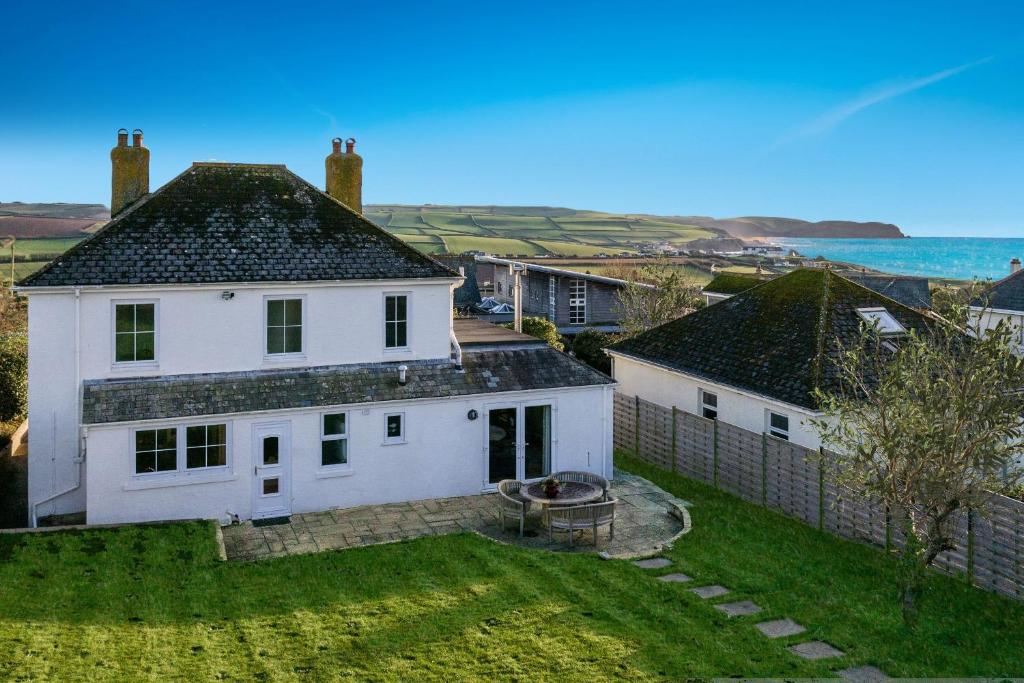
[911,113]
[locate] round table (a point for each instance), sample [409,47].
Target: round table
[571,493]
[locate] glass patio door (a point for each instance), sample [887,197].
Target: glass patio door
[518,442]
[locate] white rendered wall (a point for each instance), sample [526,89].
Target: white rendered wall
[735,407]
[443,456]
[989,319]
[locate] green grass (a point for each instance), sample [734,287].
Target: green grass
[154,602]
[457,244]
[44,245]
[21,269]
[577,249]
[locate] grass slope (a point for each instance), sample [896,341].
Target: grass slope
[154,602]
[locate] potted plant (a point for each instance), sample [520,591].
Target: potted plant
[551,487]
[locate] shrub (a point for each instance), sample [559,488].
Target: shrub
[543,329]
[588,347]
[13,376]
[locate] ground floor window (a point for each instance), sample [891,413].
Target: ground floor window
[778,425]
[178,449]
[708,405]
[333,439]
[394,428]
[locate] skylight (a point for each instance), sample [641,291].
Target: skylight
[882,320]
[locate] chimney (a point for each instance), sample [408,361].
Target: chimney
[130,171]
[345,174]
[1014,265]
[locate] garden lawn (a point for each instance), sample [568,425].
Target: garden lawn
[154,601]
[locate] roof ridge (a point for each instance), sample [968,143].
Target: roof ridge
[235,164]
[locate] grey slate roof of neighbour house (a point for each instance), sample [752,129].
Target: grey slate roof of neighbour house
[777,339]
[485,372]
[224,223]
[732,283]
[1006,294]
[908,290]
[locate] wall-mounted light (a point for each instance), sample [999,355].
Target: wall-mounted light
[472,415]
[402,370]
[227,296]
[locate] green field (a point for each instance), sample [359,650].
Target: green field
[530,231]
[37,246]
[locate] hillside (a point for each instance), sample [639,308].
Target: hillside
[21,220]
[765,227]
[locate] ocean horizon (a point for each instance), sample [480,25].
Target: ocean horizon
[959,258]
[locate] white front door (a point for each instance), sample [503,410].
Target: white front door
[272,469]
[518,442]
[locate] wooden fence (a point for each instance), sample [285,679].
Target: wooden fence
[797,482]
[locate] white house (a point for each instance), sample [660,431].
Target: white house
[754,359]
[239,343]
[1004,301]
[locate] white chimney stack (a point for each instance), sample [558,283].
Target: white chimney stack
[1014,265]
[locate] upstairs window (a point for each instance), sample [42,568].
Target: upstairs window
[577,302]
[709,405]
[778,425]
[134,332]
[334,440]
[882,320]
[284,326]
[396,321]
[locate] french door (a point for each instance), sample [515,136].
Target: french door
[272,470]
[519,442]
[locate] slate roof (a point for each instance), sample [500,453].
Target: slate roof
[732,283]
[1006,294]
[777,339]
[485,372]
[909,291]
[225,223]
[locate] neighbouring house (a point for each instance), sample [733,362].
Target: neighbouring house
[1004,300]
[573,300]
[755,359]
[240,344]
[909,290]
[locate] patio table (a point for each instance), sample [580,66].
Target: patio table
[571,493]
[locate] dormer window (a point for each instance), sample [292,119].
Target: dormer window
[882,320]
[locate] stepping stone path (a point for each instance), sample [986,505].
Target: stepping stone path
[653,563]
[780,628]
[863,674]
[815,649]
[675,578]
[738,609]
[708,592]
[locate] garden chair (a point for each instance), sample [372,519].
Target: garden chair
[511,504]
[582,517]
[585,478]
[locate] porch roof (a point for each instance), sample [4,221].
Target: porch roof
[494,370]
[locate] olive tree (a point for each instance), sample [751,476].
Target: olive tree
[658,294]
[930,425]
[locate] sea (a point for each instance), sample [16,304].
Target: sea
[958,258]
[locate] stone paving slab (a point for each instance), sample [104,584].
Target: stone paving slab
[815,649]
[863,674]
[675,578]
[779,628]
[641,529]
[653,563]
[739,609]
[708,592]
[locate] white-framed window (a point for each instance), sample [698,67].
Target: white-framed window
[334,440]
[577,302]
[394,428]
[882,320]
[777,424]
[180,449]
[396,321]
[708,404]
[552,297]
[135,332]
[284,318]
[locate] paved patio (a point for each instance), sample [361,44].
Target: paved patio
[647,518]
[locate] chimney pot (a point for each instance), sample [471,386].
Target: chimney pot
[336,145]
[137,137]
[350,145]
[122,137]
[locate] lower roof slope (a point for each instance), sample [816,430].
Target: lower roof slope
[484,372]
[1006,294]
[777,339]
[224,223]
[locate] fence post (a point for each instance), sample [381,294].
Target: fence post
[970,546]
[888,528]
[636,427]
[821,488]
[715,456]
[675,413]
[764,469]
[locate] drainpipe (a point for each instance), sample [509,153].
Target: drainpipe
[81,438]
[456,351]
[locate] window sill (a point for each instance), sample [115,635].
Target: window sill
[333,473]
[280,358]
[398,349]
[135,366]
[394,443]
[181,480]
